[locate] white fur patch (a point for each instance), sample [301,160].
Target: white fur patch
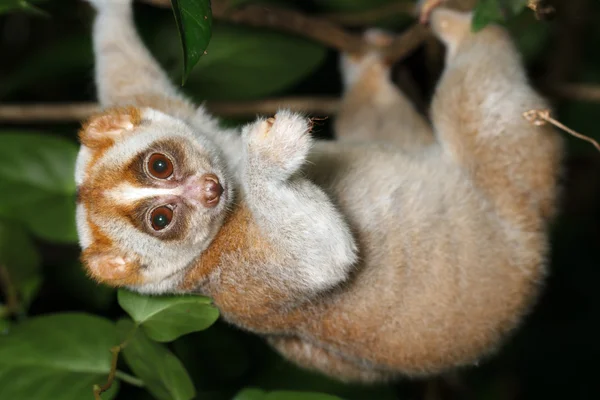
[127,194]
[83,230]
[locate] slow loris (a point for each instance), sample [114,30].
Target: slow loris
[399,249]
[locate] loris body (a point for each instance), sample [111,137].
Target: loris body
[398,249]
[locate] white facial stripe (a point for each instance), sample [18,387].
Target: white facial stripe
[127,194]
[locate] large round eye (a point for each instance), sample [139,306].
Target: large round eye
[160,166]
[161,217]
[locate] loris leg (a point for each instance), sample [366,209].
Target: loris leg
[314,249]
[373,108]
[477,113]
[126,72]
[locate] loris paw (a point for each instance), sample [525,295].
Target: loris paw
[357,66]
[277,147]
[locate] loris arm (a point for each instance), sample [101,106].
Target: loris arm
[284,242]
[307,247]
[312,242]
[127,74]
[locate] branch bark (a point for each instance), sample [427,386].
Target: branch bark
[372,16]
[318,106]
[32,113]
[320,29]
[577,91]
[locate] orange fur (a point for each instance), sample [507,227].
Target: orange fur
[100,257]
[232,237]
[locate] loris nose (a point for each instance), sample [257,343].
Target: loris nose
[211,190]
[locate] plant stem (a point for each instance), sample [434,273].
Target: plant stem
[12,305]
[132,380]
[98,390]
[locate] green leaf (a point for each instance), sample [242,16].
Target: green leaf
[4,325]
[486,12]
[495,11]
[529,35]
[52,219]
[516,6]
[163,374]
[194,23]
[42,161]
[244,63]
[165,318]
[38,171]
[7,6]
[251,394]
[20,257]
[56,357]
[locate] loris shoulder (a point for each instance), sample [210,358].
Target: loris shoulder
[401,248]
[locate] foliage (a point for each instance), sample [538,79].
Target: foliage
[194,22]
[488,11]
[21,5]
[60,331]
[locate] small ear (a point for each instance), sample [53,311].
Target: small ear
[104,129]
[111,268]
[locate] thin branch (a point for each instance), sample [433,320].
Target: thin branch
[31,113]
[320,29]
[98,390]
[574,91]
[371,16]
[541,117]
[405,43]
[132,380]
[321,106]
[113,372]
[286,20]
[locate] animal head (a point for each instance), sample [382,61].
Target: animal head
[152,194]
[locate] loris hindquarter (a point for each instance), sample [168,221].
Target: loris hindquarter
[399,249]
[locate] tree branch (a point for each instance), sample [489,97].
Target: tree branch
[320,106]
[577,91]
[320,29]
[32,113]
[371,16]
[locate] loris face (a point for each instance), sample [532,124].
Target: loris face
[152,195]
